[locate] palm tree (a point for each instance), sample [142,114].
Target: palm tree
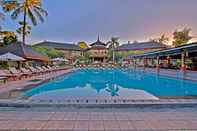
[31,9]
[113,89]
[27,28]
[113,44]
[1,14]
[162,39]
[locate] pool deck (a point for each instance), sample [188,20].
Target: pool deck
[94,114]
[20,84]
[130,119]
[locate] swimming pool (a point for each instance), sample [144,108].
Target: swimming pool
[112,82]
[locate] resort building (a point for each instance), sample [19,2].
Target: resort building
[98,51]
[71,51]
[31,57]
[140,47]
[183,57]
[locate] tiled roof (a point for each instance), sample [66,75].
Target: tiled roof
[57,45]
[141,46]
[27,52]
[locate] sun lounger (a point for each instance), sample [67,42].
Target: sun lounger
[6,73]
[4,79]
[16,72]
[40,69]
[34,70]
[45,69]
[26,71]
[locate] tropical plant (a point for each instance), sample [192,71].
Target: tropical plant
[31,9]
[83,45]
[50,52]
[1,14]
[181,37]
[8,37]
[162,39]
[85,59]
[20,29]
[113,44]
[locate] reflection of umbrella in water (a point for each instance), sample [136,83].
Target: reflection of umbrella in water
[113,90]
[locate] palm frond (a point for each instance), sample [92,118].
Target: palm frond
[32,17]
[9,5]
[17,12]
[42,11]
[39,15]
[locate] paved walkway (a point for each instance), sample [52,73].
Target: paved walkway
[11,85]
[100,119]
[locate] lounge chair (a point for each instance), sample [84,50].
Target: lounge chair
[4,76]
[34,70]
[4,79]
[40,69]
[46,69]
[26,71]
[16,72]
[50,68]
[7,74]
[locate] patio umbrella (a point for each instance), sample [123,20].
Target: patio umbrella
[60,59]
[10,57]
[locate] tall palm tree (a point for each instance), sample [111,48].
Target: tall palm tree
[1,14]
[31,9]
[27,28]
[113,44]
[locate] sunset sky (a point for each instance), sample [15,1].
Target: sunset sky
[82,20]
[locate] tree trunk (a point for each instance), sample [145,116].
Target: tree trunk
[113,54]
[24,26]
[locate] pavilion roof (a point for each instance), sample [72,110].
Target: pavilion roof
[24,51]
[190,48]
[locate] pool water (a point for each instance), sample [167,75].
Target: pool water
[112,82]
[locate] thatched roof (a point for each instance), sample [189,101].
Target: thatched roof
[23,51]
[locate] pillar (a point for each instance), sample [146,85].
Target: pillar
[183,66]
[158,65]
[168,61]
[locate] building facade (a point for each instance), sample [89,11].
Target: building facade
[98,52]
[71,51]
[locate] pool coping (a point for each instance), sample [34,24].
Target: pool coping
[101,103]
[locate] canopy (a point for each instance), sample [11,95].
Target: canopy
[10,57]
[60,59]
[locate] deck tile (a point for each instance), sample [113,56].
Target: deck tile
[111,125]
[59,125]
[125,125]
[96,126]
[81,126]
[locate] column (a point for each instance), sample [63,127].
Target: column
[183,66]
[158,65]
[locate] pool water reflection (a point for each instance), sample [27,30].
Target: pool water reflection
[112,82]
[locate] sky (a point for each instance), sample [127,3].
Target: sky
[71,21]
